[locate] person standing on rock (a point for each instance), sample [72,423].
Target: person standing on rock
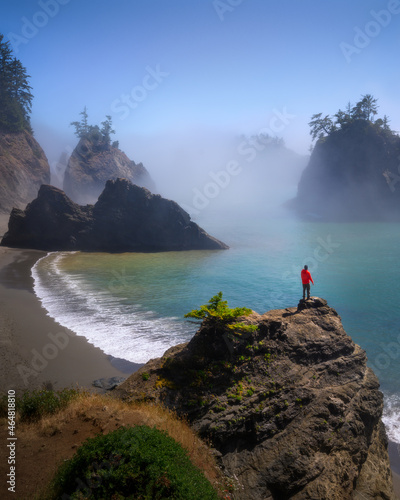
[305,279]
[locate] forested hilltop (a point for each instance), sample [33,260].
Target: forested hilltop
[15,92]
[23,164]
[354,168]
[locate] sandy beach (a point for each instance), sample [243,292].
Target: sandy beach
[35,349]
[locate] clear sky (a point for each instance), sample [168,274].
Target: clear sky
[174,68]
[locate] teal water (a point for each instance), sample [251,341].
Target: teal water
[132,305]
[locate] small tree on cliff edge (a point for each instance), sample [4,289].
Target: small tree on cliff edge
[93,132]
[107,129]
[82,127]
[217,312]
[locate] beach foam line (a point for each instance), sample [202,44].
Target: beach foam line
[391,416]
[122,330]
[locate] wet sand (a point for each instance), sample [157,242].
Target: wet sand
[35,349]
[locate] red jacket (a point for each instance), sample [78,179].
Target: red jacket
[306,277]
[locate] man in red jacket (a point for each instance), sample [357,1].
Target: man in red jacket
[305,279]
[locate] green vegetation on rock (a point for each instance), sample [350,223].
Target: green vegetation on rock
[364,110]
[96,135]
[221,316]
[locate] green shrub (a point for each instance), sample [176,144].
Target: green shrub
[217,311]
[35,404]
[131,462]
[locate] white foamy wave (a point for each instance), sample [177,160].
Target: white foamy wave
[121,330]
[391,416]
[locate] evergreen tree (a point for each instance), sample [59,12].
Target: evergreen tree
[15,91]
[82,127]
[107,129]
[365,109]
[369,106]
[385,123]
[99,137]
[320,126]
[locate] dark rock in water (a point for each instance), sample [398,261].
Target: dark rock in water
[108,384]
[292,408]
[126,218]
[23,168]
[92,164]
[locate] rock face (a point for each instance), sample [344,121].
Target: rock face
[23,168]
[126,218]
[91,166]
[292,408]
[352,175]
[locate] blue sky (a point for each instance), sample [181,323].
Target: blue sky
[191,66]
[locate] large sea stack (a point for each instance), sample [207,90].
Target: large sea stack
[126,218]
[23,169]
[352,175]
[291,409]
[94,162]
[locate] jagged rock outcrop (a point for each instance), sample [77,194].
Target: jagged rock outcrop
[352,175]
[91,165]
[126,218]
[292,408]
[23,169]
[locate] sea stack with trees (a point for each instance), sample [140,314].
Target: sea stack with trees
[353,171]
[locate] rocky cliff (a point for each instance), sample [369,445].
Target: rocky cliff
[126,218]
[92,164]
[353,174]
[23,168]
[292,408]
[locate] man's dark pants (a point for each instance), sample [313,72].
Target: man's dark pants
[306,287]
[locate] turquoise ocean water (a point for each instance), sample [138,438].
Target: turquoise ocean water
[132,305]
